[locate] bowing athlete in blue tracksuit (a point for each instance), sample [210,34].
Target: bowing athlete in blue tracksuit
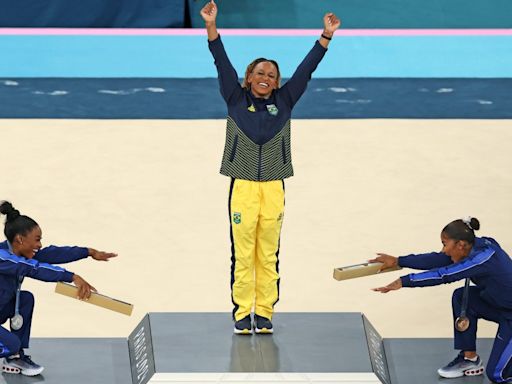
[21,256]
[489,268]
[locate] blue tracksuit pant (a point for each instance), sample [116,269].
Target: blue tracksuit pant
[499,366]
[12,342]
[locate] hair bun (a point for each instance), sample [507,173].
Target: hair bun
[7,209]
[471,222]
[474,223]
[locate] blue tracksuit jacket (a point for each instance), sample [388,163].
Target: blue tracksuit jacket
[13,268]
[487,265]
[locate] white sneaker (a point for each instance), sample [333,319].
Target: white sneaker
[460,366]
[21,364]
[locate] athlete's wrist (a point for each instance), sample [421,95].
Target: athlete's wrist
[327,34]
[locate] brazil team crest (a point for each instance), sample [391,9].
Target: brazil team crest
[237,217]
[272,109]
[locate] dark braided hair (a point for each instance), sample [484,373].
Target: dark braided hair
[462,229]
[15,223]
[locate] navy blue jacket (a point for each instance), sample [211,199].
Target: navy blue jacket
[487,265]
[260,126]
[14,268]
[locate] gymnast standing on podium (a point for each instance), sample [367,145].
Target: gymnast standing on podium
[257,158]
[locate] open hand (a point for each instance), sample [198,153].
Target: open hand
[395,285]
[100,255]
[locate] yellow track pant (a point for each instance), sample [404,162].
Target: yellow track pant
[256,211]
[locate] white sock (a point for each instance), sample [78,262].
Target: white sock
[473,359]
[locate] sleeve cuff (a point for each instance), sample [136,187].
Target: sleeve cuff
[214,41]
[402,261]
[406,281]
[68,277]
[84,252]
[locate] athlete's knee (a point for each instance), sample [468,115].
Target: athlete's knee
[244,272]
[26,302]
[457,297]
[9,345]
[27,298]
[270,264]
[494,375]
[457,294]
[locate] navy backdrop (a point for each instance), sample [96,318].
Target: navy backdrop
[93,13]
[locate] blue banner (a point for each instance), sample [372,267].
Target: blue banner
[200,99]
[93,13]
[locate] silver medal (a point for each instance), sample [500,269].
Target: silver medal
[16,322]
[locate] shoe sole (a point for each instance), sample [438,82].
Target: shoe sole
[264,331]
[474,372]
[7,369]
[468,372]
[237,331]
[25,372]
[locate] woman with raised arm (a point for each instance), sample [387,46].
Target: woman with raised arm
[257,158]
[22,255]
[480,259]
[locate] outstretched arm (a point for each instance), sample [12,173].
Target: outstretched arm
[296,85]
[230,88]
[60,255]
[475,266]
[209,15]
[424,261]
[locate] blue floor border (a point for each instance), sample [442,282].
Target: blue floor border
[168,98]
